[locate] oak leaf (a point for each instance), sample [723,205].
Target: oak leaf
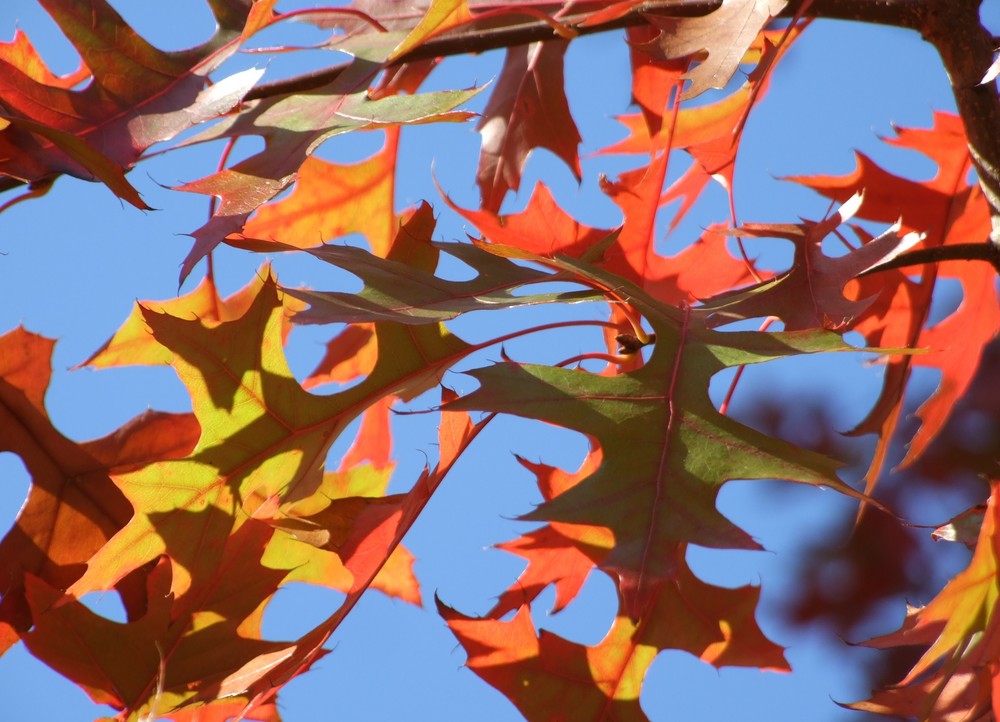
[527,110]
[403,293]
[182,650]
[292,127]
[666,449]
[562,555]
[811,293]
[724,35]
[956,677]
[133,344]
[330,200]
[550,678]
[137,96]
[72,508]
[947,209]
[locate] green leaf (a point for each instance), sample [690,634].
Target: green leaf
[402,292]
[666,449]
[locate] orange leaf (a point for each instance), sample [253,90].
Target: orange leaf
[441,16]
[550,678]
[133,344]
[329,201]
[956,678]
[73,507]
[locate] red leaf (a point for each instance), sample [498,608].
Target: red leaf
[811,293]
[137,96]
[948,210]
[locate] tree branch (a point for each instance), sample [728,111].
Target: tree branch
[966,49]
[479,39]
[952,26]
[955,252]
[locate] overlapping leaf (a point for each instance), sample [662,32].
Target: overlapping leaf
[400,292]
[666,450]
[137,95]
[73,507]
[293,127]
[956,678]
[527,110]
[702,269]
[132,344]
[724,34]
[315,529]
[185,647]
[543,674]
[332,200]
[948,210]
[242,390]
[197,538]
[376,530]
[811,293]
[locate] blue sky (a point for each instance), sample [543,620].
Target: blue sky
[74,262]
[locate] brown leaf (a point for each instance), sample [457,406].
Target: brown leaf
[527,110]
[724,35]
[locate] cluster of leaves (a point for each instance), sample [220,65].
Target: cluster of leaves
[196,520]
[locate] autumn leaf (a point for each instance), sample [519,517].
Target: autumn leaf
[242,389]
[548,677]
[948,210]
[699,270]
[562,555]
[292,127]
[440,16]
[185,646]
[543,227]
[552,559]
[956,677]
[313,531]
[666,449]
[376,531]
[400,292]
[237,389]
[527,110]
[137,96]
[72,507]
[724,35]
[330,200]
[957,697]
[811,293]
[133,344]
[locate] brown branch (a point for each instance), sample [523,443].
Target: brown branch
[899,13]
[952,26]
[956,252]
[966,49]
